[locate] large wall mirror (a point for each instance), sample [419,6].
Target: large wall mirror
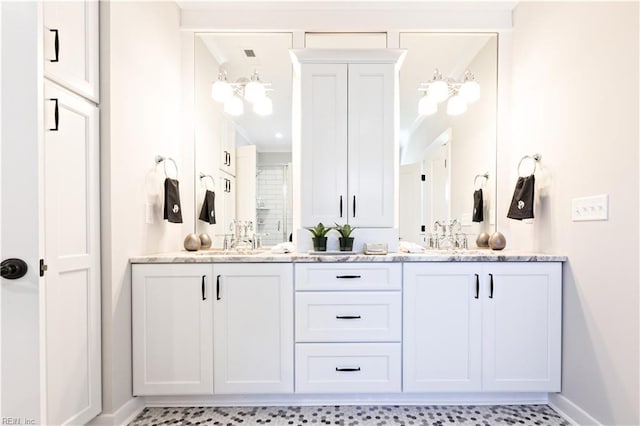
[447,155]
[245,157]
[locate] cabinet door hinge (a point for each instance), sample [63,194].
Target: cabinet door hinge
[43,267]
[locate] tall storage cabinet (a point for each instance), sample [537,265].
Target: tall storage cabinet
[71,192]
[348,139]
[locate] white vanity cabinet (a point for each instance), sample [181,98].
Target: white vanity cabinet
[482,327]
[253,328]
[348,327]
[71,45]
[172,329]
[347,148]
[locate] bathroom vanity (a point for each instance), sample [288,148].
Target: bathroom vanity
[474,322]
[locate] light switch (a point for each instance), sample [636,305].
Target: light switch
[590,208]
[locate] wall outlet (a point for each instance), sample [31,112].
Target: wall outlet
[590,208]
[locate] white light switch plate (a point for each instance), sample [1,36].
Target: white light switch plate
[590,208]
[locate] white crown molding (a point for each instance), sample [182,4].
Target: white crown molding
[361,16]
[351,56]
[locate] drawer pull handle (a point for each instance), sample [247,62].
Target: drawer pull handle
[348,276]
[348,317]
[218,287]
[347,369]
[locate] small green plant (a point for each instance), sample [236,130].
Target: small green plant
[319,230]
[345,230]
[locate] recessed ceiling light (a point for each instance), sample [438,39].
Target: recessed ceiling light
[278,135]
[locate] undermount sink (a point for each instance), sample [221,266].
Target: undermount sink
[232,252]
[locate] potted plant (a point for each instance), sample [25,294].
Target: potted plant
[346,241]
[319,236]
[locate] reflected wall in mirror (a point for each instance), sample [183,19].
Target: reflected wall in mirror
[248,155]
[448,150]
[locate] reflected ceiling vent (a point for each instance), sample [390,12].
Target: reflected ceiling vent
[249,53]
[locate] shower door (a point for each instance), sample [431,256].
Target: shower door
[273,203]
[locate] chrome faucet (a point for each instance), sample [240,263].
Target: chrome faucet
[447,235]
[242,235]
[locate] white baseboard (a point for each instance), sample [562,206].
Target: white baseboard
[570,411]
[347,399]
[122,416]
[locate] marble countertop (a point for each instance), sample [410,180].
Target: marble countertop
[473,255]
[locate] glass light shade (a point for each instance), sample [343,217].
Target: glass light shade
[253,91]
[456,105]
[221,91]
[263,106]
[470,91]
[438,90]
[234,106]
[427,106]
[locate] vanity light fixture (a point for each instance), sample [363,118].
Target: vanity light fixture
[231,94]
[438,89]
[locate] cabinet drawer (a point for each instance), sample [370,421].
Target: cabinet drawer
[347,367]
[339,276]
[348,316]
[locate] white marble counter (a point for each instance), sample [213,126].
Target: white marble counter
[473,255]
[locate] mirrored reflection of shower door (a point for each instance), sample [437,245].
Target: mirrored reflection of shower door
[273,203]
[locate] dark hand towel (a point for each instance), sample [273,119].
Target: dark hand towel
[208,212]
[522,202]
[172,209]
[478,206]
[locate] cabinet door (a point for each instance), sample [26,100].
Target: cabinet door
[253,328]
[72,252]
[372,149]
[71,45]
[442,329]
[172,329]
[227,146]
[522,327]
[225,202]
[324,144]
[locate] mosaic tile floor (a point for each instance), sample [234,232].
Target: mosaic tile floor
[353,416]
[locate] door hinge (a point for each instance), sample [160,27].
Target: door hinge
[423,228]
[423,178]
[43,267]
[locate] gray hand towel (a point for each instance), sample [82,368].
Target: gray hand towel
[478,206]
[522,201]
[208,211]
[172,209]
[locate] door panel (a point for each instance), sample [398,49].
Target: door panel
[324,143]
[372,151]
[442,329]
[72,251]
[75,24]
[522,328]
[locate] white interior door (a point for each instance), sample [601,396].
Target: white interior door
[246,183]
[410,197]
[72,252]
[438,185]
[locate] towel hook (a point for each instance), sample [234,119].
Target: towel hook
[475,179]
[203,176]
[534,157]
[159,159]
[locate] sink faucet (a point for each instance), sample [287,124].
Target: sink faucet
[448,235]
[242,236]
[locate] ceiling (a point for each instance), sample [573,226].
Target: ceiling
[273,63]
[449,52]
